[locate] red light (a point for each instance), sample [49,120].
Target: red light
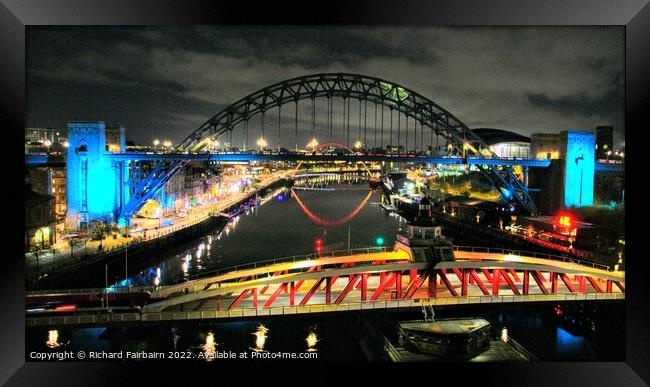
[65,308]
[565,220]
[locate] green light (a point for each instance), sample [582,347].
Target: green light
[379,241]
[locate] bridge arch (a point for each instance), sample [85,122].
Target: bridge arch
[362,87]
[379,91]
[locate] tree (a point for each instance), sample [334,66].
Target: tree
[73,241]
[99,232]
[36,249]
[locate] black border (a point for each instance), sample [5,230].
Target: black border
[634,14]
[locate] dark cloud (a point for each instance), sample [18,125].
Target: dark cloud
[170,80]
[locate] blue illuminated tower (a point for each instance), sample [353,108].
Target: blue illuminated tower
[96,183]
[577,150]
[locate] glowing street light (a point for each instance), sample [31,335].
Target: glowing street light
[357,144]
[262,143]
[156,142]
[167,143]
[313,144]
[66,144]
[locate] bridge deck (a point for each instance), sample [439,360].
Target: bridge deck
[369,281]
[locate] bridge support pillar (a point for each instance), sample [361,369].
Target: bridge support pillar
[93,181]
[553,283]
[328,290]
[398,284]
[364,286]
[495,281]
[582,284]
[464,273]
[526,282]
[292,293]
[254,297]
[577,152]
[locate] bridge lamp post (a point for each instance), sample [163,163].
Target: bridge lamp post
[609,152]
[357,145]
[261,143]
[313,144]
[156,142]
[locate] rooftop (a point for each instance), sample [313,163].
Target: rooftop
[446,327]
[493,136]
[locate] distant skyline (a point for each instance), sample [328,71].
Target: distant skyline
[164,82]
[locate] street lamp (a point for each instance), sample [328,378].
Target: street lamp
[66,144]
[261,143]
[609,152]
[156,142]
[313,144]
[357,144]
[167,144]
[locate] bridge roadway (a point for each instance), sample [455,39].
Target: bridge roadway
[403,158]
[370,279]
[44,160]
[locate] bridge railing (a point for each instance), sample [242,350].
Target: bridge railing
[110,290]
[496,250]
[292,258]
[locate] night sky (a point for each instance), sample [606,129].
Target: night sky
[165,82]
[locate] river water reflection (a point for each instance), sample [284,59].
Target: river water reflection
[318,214]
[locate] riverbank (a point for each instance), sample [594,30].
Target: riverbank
[140,251]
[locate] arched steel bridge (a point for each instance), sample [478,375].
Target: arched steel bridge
[407,104]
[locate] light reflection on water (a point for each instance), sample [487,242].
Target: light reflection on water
[260,338]
[279,228]
[311,340]
[209,348]
[52,339]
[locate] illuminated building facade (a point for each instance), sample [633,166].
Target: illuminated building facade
[51,181]
[504,143]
